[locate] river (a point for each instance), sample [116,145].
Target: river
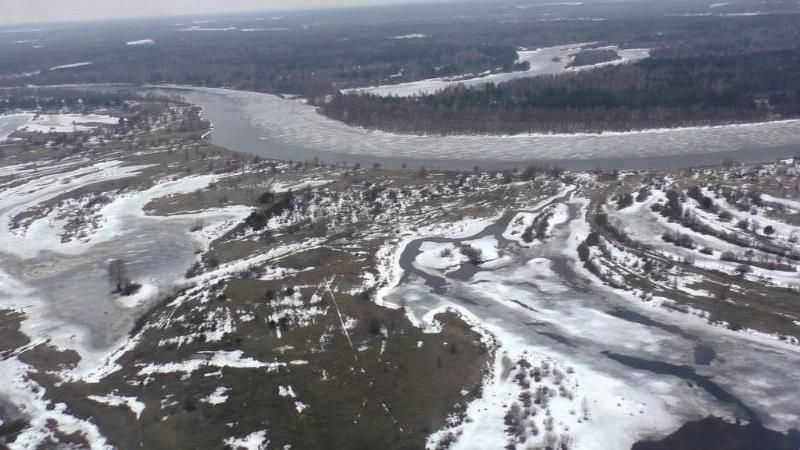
[290,129]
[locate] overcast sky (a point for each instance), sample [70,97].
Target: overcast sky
[36,11]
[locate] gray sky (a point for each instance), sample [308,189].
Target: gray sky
[36,11]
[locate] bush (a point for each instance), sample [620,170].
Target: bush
[530,172]
[643,194]
[266,197]
[473,254]
[527,235]
[257,220]
[375,326]
[583,251]
[673,210]
[679,239]
[624,201]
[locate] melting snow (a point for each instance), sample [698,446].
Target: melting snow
[253,441]
[131,403]
[219,396]
[141,42]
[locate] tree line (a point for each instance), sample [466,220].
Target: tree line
[657,92]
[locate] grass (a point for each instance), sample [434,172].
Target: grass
[418,386]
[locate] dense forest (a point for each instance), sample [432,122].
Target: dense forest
[314,56]
[703,69]
[658,92]
[54,98]
[280,62]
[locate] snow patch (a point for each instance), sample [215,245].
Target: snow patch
[141,42]
[71,66]
[253,441]
[131,403]
[218,397]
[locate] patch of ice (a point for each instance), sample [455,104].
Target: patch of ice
[411,36]
[71,66]
[141,42]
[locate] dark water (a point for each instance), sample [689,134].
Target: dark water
[713,433]
[704,355]
[688,374]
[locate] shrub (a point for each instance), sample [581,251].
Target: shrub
[266,197]
[583,251]
[257,220]
[643,194]
[473,254]
[624,201]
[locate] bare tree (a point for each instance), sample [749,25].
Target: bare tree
[118,275]
[585,408]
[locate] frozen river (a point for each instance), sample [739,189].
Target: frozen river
[290,129]
[644,371]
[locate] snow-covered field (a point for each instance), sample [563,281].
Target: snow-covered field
[294,123]
[68,123]
[52,123]
[543,61]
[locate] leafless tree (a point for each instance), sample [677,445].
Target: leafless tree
[585,408]
[118,275]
